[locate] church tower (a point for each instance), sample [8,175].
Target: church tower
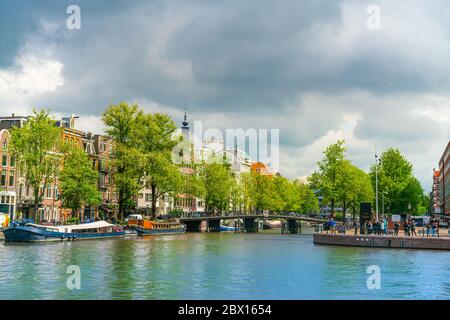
[185,127]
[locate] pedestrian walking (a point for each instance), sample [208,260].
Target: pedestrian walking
[428,229]
[413,228]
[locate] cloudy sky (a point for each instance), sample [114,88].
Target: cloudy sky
[317,70]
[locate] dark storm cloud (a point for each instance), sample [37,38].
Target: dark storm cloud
[300,66]
[236,55]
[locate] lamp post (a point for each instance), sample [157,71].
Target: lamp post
[376,184]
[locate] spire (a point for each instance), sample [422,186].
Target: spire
[185,122]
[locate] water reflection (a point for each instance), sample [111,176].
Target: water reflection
[218,266]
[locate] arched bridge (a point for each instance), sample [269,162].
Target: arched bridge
[246,222]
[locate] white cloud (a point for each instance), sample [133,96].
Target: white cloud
[28,78]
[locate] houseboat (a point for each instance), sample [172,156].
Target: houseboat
[149,227]
[30,232]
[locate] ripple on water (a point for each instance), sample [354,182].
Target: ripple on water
[219,266]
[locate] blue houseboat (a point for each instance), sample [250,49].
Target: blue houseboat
[30,232]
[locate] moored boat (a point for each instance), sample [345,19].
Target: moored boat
[150,227]
[227,228]
[30,232]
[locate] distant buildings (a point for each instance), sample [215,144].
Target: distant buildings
[435,193]
[262,169]
[8,175]
[17,196]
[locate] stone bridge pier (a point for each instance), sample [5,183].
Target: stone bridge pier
[195,225]
[213,225]
[251,225]
[292,226]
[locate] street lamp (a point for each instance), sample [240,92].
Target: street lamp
[376,184]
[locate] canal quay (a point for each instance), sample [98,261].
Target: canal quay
[376,241]
[226,265]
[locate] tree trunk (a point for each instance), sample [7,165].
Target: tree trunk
[36,205]
[332,207]
[35,213]
[120,204]
[153,201]
[345,211]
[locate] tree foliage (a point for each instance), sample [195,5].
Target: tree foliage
[36,147]
[330,180]
[218,185]
[124,125]
[402,192]
[78,181]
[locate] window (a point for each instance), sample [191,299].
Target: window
[12,162]
[148,197]
[11,179]
[4,160]
[4,146]
[49,192]
[102,182]
[56,193]
[3,181]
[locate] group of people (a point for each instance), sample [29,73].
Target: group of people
[409,228]
[381,227]
[432,228]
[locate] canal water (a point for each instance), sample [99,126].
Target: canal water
[218,266]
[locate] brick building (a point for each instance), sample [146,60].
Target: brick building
[8,176]
[444,182]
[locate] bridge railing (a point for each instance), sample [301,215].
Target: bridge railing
[272,215]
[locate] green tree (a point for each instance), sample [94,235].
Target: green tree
[360,189]
[397,183]
[36,148]
[124,124]
[260,192]
[218,182]
[309,202]
[162,175]
[157,144]
[78,182]
[329,179]
[237,195]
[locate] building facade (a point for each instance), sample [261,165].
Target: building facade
[99,148]
[444,183]
[8,177]
[435,193]
[19,196]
